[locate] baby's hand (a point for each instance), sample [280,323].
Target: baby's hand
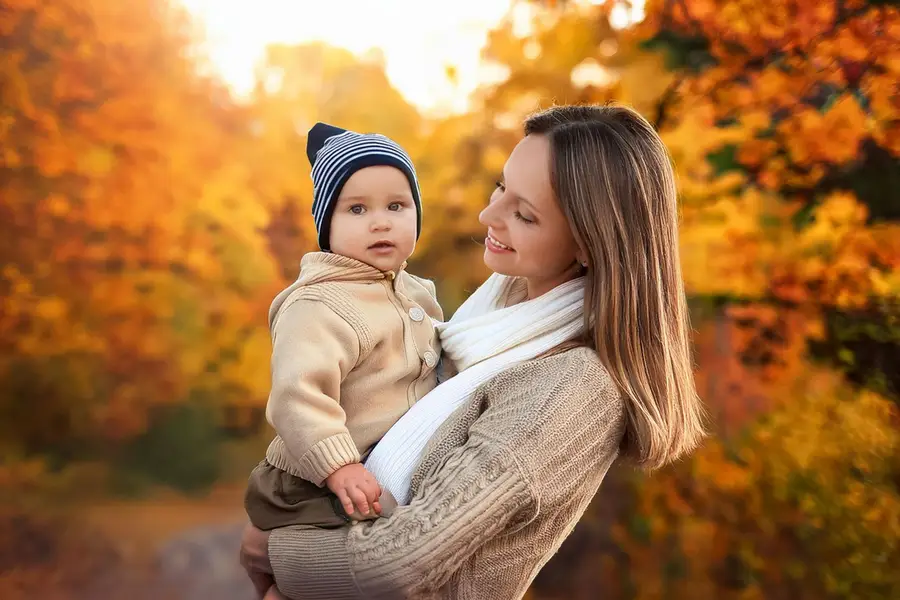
[353,484]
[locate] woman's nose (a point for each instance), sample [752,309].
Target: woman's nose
[490,215]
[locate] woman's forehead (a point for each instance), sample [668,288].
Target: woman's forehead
[528,170]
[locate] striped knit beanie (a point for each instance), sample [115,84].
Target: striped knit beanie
[335,154]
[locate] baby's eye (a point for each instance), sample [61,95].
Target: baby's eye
[395,206]
[357,209]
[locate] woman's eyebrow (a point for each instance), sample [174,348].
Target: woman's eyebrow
[529,204]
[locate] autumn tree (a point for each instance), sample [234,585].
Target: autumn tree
[147,218]
[783,121]
[125,280]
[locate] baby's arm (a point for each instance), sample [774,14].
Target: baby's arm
[313,350]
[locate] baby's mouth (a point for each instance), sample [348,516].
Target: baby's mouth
[381,245]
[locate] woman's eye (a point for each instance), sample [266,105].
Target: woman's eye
[523,218]
[500,186]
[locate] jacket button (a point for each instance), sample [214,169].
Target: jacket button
[430,359]
[416,314]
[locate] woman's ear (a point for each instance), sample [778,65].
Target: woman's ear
[581,256]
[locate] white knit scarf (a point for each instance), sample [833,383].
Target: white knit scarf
[491,332]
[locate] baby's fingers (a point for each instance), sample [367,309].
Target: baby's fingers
[346,502]
[359,498]
[373,493]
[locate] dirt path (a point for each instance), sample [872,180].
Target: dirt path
[181,548]
[202,564]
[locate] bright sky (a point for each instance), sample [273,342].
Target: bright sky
[418,38]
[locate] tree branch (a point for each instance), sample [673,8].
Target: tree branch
[664,103]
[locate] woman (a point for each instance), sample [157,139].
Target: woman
[587,202]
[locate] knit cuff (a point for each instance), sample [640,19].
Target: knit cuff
[328,456]
[312,563]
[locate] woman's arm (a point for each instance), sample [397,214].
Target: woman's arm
[477,492]
[489,486]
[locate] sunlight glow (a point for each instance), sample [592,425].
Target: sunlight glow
[417,38]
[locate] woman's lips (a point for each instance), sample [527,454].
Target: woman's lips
[495,245]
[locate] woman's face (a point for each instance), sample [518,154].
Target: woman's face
[528,235]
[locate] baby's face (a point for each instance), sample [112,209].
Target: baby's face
[375,218]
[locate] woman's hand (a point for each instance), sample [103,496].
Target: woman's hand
[255,559]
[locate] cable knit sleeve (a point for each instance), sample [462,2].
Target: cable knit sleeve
[313,350]
[478,492]
[480,479]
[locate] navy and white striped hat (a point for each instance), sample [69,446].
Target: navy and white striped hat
[335,154]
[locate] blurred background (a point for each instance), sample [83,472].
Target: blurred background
[155,195]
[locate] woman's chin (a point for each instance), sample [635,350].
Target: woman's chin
[499,263]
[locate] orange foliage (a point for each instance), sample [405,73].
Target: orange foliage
[115,251]
[798,99]
[785,142]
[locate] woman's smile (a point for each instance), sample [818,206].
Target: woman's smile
[494,245]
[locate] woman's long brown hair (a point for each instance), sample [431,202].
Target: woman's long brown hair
[614,181]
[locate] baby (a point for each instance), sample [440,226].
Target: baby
[353,342]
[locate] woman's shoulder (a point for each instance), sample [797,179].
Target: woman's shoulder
[572,376]
[574,365]
[555,408]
